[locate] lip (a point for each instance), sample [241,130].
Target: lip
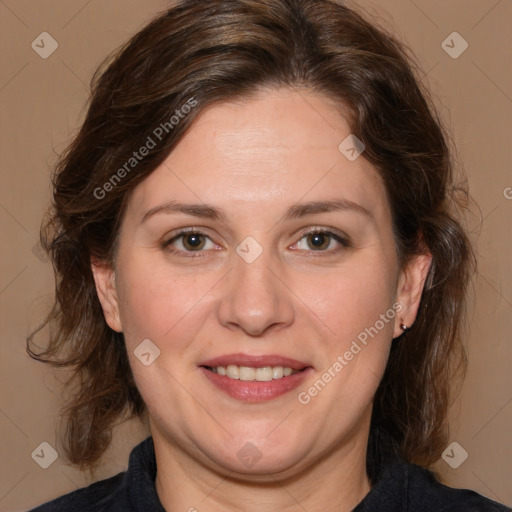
[255,361]
[255,391]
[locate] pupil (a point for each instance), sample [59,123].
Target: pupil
[318,240]
[193,241]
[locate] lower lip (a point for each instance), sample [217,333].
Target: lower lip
[256,391]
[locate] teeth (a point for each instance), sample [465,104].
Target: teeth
[247,373]
[277,372]
[264,374]
[233,371]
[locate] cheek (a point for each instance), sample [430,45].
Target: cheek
[353,298]
[156,302]
[358,310]
[357,307]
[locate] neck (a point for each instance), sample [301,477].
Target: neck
[336,481]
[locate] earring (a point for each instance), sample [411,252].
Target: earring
[403,327]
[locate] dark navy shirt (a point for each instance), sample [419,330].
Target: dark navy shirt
[401,487]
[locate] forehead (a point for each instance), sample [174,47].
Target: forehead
[274,147]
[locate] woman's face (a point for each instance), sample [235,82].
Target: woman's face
[287,261]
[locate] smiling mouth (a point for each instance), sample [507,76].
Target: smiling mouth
[248,373]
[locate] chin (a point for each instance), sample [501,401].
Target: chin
[259,457]
[263,469]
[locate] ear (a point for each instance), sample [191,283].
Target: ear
[104,279]
[410,288]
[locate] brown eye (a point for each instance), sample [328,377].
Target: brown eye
[193,241]
[318,241]
[322,241]
[188,243]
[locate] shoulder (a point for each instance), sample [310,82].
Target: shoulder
[97,496]
[424,492]
[404,487]
[130,490]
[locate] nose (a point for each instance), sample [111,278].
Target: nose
[255,298]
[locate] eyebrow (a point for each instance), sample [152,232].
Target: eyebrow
[316,207]
[294,212]
[197,210]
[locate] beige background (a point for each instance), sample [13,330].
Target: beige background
[42,103]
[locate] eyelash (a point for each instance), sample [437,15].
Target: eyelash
[344,242]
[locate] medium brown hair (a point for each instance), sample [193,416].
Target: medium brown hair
[222,50]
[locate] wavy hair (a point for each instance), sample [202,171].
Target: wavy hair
[222,50]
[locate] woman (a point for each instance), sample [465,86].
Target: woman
[256,248]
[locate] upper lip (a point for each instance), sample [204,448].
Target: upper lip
[255,361]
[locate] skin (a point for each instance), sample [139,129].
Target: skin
[254,159]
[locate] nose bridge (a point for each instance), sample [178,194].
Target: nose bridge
[254,298]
